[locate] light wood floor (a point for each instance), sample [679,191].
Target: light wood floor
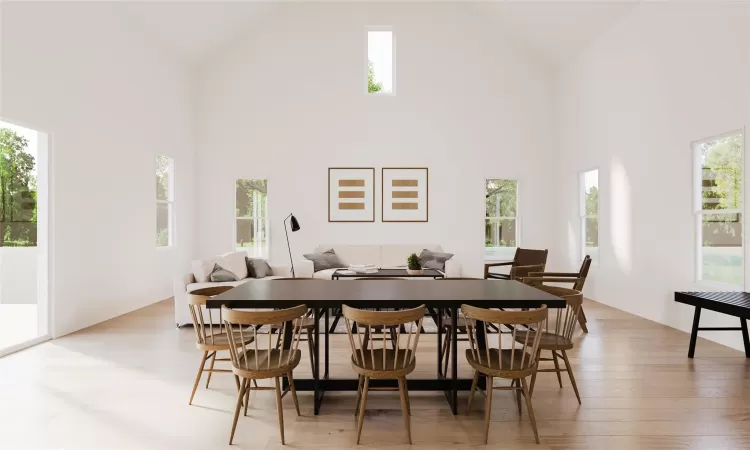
[125,384]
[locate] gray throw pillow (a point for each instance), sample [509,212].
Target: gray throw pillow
[258,268]
[434,260]
[220,274]
[325,260]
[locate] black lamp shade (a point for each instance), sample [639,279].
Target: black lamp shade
[294,223]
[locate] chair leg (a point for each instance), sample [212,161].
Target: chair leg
[570,374]
[517,383]
[294,391]
[473,389]
[446,352]
[198,377]
[530,408]
[533,376]
[487,409]
[404,405]
[582,320]
[360,383]
[408,402]
[237,410]
[246,388]
[362,408]
[557,368]
[280,409]
[210,367]
[311,350]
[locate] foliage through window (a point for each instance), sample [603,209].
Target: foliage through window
[590,214]
[164,201]
[501,218]
[718,198]
[380,62]
[251,217]
[18,188]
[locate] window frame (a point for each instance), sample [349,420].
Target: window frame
[267,224]
[699,212]
[496,256]
[583,216]
[169,201]
[375,28]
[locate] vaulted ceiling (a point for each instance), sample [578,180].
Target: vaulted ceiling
[553,31]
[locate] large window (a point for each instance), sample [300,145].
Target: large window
[251,217]
[718,208]
[589,211]
[380,62]
[164,201]
[501,218]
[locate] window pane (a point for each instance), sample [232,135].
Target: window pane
[500,233]
[721,248]
[250,198]
[251,237]
[501,198]
[163,172]
[591,225]
[591,193]
[380,61]
[721,173]
[162,224]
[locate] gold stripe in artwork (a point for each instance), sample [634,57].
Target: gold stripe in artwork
[405,194]
[351,206]
[405,205]
[351,183]
[403,183]
[351,194]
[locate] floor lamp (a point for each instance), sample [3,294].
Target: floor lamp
[295,227]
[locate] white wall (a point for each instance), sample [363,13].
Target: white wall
[287,102]
[667,75]
[110,104]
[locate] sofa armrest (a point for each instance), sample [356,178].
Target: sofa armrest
[179,289]
[452,269]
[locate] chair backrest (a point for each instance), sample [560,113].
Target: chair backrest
[566,319]
[528,257]
[246,331]
[206,332]
[520,272]
[518,320]
[368,322]
[583,273]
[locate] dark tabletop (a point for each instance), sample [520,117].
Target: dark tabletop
[385,294]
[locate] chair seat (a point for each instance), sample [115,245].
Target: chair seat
[548,341]
[499,363]
[220,341]
[398,363]
[269,363]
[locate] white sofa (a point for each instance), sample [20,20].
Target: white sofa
[234,262]
[382,256]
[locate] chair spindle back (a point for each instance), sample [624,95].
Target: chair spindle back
[206,332]
[567,318]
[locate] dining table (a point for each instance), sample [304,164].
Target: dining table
[321,296]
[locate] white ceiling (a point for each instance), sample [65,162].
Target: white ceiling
[554,31]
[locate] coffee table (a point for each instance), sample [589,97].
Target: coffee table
[388,273]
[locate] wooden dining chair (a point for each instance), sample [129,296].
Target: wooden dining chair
[308,325]
[210,338]
[447,325]
[379,361]
[254,356]
[524,261]
[559,338]
[577,279]
[506,360]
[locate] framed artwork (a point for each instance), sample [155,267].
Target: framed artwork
[351,194]
[405,194]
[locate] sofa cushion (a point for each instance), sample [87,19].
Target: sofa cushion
[221,274]
[233,262]
[324,260]
[258,268]
[325,274]
[434,260]
[354,254]
[395,255]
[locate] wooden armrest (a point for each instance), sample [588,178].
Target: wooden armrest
[532,279]
[497,264]
[555,274]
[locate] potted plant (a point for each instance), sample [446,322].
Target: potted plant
[414,267]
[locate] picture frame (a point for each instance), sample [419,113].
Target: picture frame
[405,194]
[351,194]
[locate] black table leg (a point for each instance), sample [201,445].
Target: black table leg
[454,360]
[745,339]
[317,397]
[439,323]
[327,345]
[694,334]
